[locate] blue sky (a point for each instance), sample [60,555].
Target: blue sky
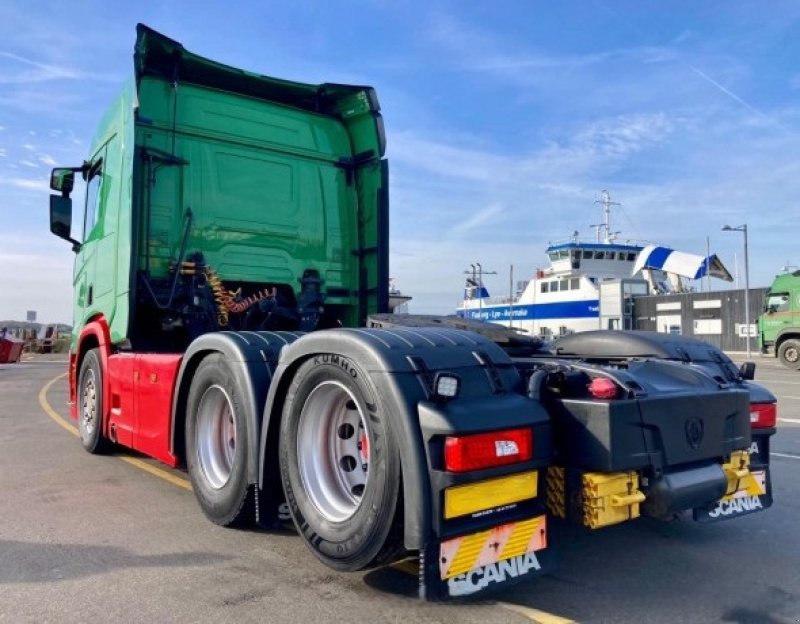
[505,121]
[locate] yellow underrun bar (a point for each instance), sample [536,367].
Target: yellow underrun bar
[462,554]
[461,500]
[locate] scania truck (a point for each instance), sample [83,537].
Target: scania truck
[230,296]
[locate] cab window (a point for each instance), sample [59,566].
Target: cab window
[92,207]
[778,302]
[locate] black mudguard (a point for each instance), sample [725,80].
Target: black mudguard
[401,364]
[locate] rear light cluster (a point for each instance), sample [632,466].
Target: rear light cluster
[602,388]
[486,450]
[763,415]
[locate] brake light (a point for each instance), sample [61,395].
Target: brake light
[485,450]
[763,415]
[602,388]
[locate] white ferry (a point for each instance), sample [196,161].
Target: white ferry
[588,285]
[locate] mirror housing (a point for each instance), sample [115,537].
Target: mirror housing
[748,371]
[62,179]
[61,219]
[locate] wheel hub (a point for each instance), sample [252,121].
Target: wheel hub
[333,450]
[89,407]
[215,436]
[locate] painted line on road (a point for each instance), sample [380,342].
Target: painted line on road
[411,568]
[784,455]
[535,615]
[133,461]
[786,396]
[795,421]
[50,411]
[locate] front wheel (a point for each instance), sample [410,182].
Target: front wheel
[90,404]
[789,354]
[340,465]
[216,444]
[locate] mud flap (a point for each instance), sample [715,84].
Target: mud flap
[753,494]
[471,565]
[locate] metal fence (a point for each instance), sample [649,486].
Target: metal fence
[716,317]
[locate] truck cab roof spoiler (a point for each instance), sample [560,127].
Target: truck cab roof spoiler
[158,55]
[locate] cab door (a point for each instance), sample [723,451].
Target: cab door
[85,260]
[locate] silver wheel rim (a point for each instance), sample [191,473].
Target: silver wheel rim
[88,420]
[215,436]
[791,354]
[333,450]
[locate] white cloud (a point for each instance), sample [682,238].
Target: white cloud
[28,184]
[29,163]
[33,71]
[47,159]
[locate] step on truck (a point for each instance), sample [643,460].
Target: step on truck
[231,274]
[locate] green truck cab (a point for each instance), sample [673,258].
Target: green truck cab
[779,325]
[203,182]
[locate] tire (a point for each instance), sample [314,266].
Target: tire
[216,444]
[789,354]
[90,404]
[340,465]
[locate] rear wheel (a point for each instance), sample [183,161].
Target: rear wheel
[340,466]
[90,404]
[216,444]
[789,354]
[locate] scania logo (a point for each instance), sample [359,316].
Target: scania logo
[694,432]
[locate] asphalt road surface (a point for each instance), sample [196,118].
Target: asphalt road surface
[120,538]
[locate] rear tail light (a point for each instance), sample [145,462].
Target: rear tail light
[602,388]
[485,450]
[763,415]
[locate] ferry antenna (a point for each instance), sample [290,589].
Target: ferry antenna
[605,227]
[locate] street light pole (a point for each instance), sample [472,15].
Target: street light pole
[743,229]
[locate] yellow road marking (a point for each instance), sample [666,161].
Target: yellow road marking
[50,411]
[133,461]
[158,472]
[407,566]
[535,615]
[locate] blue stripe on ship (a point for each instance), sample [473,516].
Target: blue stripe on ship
[537,311]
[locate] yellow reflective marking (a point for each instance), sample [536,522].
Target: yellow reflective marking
[517,544]
[493,545]
[142,465]
[468,551]
[461,500]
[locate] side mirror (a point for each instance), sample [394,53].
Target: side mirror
[62,179]
[61,219]
[748,371]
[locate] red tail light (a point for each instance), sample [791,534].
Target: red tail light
[763,415]
[485,450]
[602,388]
